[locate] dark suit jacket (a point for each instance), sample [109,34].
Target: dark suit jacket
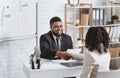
[48,45]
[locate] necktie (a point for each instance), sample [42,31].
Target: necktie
[57,44]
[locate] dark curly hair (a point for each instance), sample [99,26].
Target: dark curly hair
[95,37]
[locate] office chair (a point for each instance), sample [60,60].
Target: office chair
[105,74]
[109,74]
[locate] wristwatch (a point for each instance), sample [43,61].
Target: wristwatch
[73,2]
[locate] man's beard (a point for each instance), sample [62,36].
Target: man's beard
[57,34]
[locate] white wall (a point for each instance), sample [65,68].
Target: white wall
[50,8]
[14,53]
[12,56]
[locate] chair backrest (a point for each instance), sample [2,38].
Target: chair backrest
[109,74]
[105,74]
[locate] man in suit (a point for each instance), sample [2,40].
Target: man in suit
[54,44]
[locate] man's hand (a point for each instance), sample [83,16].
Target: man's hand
[64,55]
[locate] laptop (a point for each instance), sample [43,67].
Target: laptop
[72,64]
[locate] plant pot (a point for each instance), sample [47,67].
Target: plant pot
[114,21]
[79,42]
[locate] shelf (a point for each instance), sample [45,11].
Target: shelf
[69,6]
[79,26]
[114,45]
[81,45]
[70,23]
[101,16]
[77,7]
[110,25]
[104,6]
[114,42]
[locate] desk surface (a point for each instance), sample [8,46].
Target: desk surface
[52,69]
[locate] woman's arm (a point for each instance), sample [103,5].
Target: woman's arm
[76,56]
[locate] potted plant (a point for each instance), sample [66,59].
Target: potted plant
[114,18]
[79,41]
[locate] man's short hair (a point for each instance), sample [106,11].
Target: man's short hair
[54,19]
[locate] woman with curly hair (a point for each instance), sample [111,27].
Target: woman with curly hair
[96,51]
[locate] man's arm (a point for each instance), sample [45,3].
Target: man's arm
[63,55]
[66,42]
[70,43]
[46,51]
[49,53]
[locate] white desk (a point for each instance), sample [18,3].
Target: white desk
[51,70]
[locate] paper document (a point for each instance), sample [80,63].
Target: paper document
[77,51]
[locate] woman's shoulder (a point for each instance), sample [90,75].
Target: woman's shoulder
[94,54]
[88,54]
